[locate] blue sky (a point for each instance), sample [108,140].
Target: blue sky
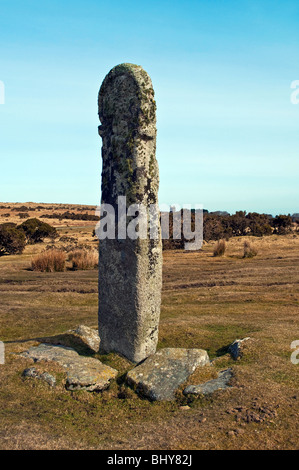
[222,71]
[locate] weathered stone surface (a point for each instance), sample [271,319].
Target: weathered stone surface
[159,376]
[82,338]
[82,372]
[222,382]
[235,349]
[130,270]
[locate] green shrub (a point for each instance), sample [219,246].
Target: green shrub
[12,240]
[282,224]
[36,231]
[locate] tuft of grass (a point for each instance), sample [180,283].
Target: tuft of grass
[220,248]
[83,259]
[249,250]
[49,261]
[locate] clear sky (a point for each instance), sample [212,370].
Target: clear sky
[228,134]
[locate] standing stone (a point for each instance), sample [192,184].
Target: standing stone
[130,270]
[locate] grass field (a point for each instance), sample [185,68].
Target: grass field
[207,303]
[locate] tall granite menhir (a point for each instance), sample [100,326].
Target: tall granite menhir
[130,270]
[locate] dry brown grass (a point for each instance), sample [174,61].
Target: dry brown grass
[83,259]
[49,261]
[249,250]
[220,248]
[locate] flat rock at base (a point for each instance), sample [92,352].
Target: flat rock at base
[82,337]
[207,388]
[83,373]
[160,375]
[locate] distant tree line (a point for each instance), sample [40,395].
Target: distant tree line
[71,216]
[222,225]
[216,226]
[23,208]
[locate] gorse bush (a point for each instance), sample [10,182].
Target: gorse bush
[36,231]
[220,248]
[49,261]
[83,259]
[249,250]
[282,224]
[12,240]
